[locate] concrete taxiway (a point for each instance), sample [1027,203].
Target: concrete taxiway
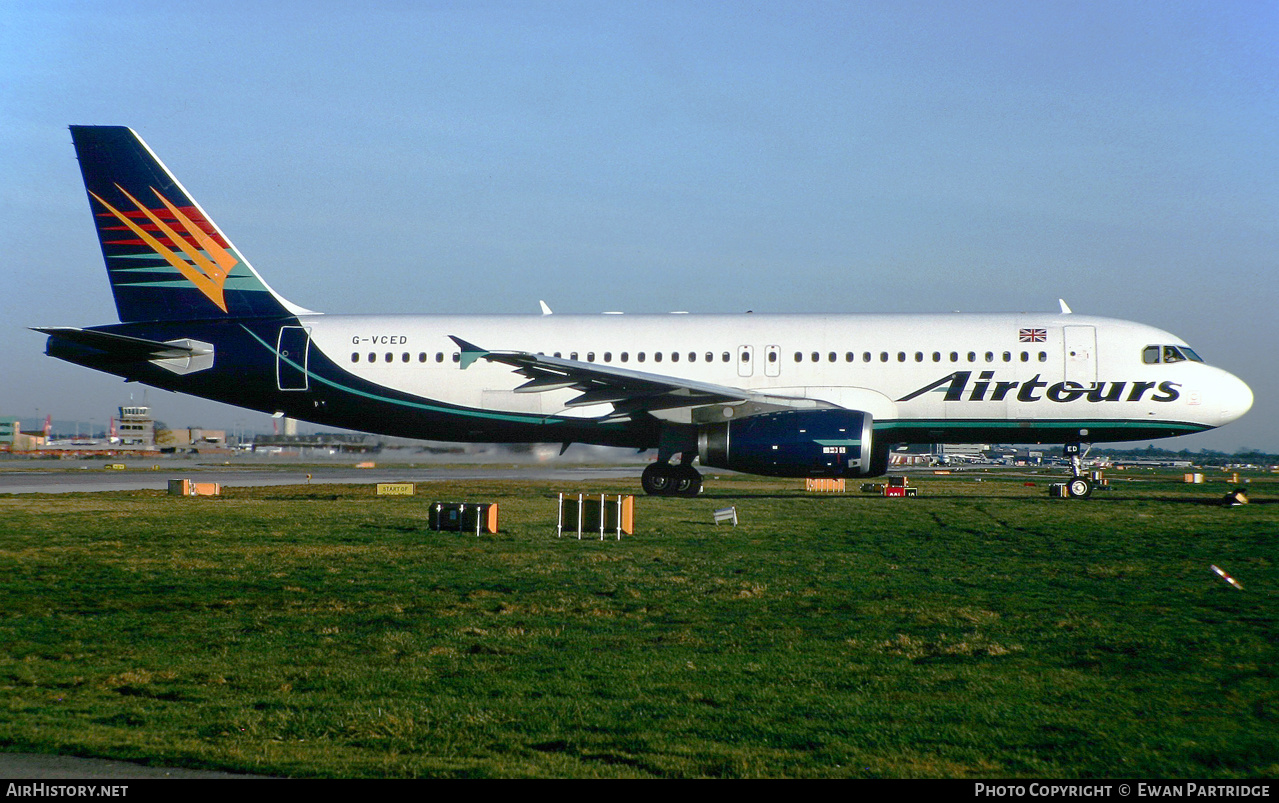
[94,478]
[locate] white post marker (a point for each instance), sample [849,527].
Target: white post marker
[728,514]
[1227,578]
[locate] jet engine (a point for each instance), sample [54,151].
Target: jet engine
[795,443]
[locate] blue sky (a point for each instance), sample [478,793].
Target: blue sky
[475,157]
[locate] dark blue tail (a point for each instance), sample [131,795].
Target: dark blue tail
[166,259]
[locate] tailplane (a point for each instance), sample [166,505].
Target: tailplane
[166,258]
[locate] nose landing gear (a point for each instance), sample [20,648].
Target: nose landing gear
[1079,486]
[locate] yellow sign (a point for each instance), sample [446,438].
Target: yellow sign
[395,489]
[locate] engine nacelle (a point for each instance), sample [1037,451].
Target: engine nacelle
[795,443]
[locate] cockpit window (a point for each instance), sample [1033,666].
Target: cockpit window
[1153,355]
[1171,354]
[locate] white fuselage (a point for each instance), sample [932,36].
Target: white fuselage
[944,369]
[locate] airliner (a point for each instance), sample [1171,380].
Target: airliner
[793,395]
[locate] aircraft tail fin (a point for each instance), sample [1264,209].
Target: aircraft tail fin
[165,257]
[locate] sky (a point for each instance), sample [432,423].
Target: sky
[479,156]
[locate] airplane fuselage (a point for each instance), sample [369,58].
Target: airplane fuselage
[925,378]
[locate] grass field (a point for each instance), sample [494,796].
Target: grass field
[980,630]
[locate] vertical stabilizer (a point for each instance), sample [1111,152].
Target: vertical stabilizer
[166,259]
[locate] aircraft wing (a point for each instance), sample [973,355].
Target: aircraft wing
[627,390]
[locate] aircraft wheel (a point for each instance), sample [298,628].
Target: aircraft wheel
[658,479]
[688,481]
[1079,488]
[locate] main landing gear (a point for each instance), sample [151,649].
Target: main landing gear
[1078,486]
[666,479]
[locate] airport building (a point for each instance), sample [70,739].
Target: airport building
[136,428]
[13,439]
[133,431]
[9,432]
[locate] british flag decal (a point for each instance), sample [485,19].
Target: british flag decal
[1032,335]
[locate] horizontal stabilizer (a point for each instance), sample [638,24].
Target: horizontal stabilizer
[124,347]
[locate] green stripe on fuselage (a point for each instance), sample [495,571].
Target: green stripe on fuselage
[434,408]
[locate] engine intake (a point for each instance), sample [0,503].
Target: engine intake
[795,443]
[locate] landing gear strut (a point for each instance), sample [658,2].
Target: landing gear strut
[1079,486]
[666,479]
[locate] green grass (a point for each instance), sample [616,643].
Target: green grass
[980,630]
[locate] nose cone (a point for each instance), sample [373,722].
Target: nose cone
[1233,396]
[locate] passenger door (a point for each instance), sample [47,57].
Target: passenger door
[1079,344]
